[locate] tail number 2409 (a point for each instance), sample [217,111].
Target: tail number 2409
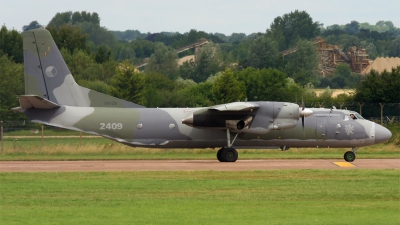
[110,126]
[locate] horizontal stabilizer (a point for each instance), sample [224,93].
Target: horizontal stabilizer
[236,106]
[34,101]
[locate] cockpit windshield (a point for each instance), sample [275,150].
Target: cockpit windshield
[353,116]
[358,116]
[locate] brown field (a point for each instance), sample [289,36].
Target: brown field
[336,92]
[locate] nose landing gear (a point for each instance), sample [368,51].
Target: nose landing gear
[350,156]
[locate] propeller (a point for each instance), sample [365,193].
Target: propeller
[304,113]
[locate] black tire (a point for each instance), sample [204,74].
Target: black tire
[219,155]
[229,155]
[349,156]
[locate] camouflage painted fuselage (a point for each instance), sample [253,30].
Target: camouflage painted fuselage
[162,128]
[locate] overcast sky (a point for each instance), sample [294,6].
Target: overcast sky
[223,16]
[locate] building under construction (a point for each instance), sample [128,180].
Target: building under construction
[332,55]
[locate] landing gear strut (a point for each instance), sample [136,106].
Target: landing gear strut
[228,154]
[350,156]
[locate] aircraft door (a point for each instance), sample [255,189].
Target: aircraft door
[320,130]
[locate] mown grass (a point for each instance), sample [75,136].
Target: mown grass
[202,197]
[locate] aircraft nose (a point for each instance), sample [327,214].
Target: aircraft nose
[381,134]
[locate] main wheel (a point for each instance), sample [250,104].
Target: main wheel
[349,156]
[229,155]
[219,155]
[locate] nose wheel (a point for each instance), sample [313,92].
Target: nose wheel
[227,155]
[350,156]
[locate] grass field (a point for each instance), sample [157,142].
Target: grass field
[202,197]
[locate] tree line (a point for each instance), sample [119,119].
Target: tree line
[230,68]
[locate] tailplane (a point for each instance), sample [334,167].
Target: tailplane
[47,76]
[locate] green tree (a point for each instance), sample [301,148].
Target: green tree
[83,66]
[78,62]
[74,18]
[60,19]
[160,91]
[163,61]
[208,62]
[197,95]
[395,48]
[263,53]
[32,25]
[380,88]
[264,85]
[96,85]
[124,52]
[344,78]
[11,44]
[292,26]
[228,89]
[187,70]
[302,65]
[11,85]
[352,28]
[103,54]
[68,37]
[97,34]
[128,84]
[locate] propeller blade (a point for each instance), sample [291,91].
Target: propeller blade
[302,103]
[302,123]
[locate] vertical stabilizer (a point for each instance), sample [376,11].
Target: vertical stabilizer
[47,75]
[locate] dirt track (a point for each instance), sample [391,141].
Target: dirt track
[159,165]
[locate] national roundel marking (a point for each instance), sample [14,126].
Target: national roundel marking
[51,71]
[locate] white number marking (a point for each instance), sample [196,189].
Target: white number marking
[111,126]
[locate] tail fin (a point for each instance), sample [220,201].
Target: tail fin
[47,75]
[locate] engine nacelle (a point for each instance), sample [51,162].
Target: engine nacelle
[244,123]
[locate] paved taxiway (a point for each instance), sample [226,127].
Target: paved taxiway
[159,165]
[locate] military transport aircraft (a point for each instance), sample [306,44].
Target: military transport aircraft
[52,97]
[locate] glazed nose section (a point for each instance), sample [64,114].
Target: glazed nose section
[381,134]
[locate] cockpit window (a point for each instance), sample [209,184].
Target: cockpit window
[358,116]
[353,116]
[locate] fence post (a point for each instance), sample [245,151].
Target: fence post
[42,136]
[382,112]
[1,136]
[361,105]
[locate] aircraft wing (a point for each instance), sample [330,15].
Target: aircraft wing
[248,117]
[234,116]
[235,106]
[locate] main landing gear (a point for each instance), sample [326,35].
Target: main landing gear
[228,154]
[350,156]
